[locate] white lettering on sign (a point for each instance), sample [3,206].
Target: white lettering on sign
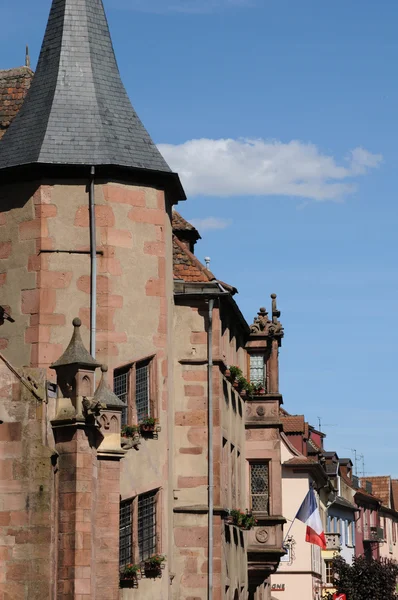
[278,587]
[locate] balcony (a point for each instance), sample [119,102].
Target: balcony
[373,534]
[332,541]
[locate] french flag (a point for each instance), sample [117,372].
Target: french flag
[308,513]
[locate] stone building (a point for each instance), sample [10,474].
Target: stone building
[88,234]
[300,574]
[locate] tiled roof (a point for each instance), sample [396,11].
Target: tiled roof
[312,447]
[298,460]
[293,423]
[394,486]
[14,85]
[180,224]
[381,486]
[77,111]
[343,502]
[186,266]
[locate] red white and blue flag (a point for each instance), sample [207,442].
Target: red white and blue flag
[308,513]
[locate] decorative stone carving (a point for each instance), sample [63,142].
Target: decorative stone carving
[260,322]
[262,535]
[263,325]
[260,411]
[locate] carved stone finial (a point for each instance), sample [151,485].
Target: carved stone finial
[260,322]
[275,329]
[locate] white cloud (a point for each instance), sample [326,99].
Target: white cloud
[245,167]
[210,223]
[181,6]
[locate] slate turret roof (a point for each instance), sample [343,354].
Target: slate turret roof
[77,111]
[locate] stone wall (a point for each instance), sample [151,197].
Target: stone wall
[26,492]
[191,460]
[46,290]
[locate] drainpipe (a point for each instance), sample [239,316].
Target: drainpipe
[210,448]
[93,263]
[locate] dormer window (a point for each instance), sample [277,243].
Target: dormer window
[257,369]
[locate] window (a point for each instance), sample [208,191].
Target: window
[329,572]
[138,528]
[259,487]
[126,533]
[135,386]
[147,525]
[257,369]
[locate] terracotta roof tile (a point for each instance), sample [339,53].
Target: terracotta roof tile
[181,224]
[186,266]
[14,85]
[298,460]
[394,485]
[293,423]
[381,487]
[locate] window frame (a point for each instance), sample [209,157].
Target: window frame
[249,359]
[122,563]
[328,572]
[252,463]
[135,545]
[130,369]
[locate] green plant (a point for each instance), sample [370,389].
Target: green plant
[149,422]
[130,430]
[249,521]
[366,579]
[242,383]
[130,570]
[156,560]
[237,517]
[236,372]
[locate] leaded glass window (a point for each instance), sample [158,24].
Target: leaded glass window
[259,487]
[132,385]
[142,391]
[126,533]
[147,525]
[257,369]
[121,389]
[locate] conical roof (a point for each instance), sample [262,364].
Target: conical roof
[76,353]
[77,111]
[104,394]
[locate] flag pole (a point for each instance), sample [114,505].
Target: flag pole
[288,531]
[292,523]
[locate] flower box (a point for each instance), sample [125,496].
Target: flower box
[149,427]
[129,576]
[243,520]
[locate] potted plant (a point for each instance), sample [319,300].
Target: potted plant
[153,565]
[237,517]
[248,521]
[235,374]
[129,575]
[130,431]
[148,425]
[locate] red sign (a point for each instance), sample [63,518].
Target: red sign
[339,597]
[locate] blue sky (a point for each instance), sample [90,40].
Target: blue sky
[281,118]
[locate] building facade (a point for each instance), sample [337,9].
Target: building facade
[140,448]
[300,574]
